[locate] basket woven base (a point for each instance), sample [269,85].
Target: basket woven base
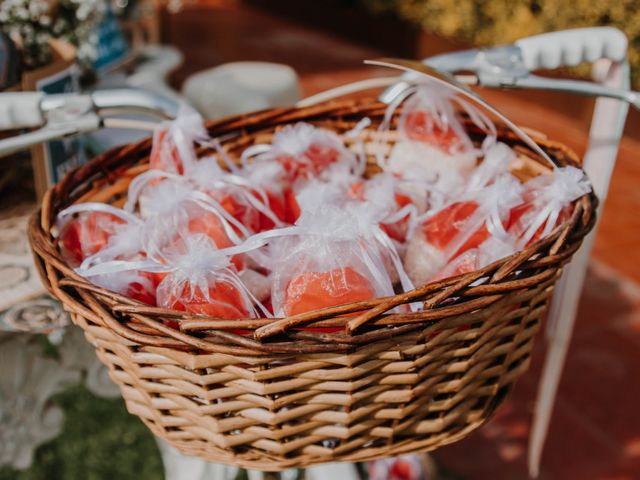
[411,393]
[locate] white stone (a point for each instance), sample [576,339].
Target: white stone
[241,87]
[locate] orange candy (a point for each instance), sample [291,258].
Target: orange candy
[245,214]
[284,206]
[138,291]
[321,156]
[420,126]
[292,209]
[313,161]
[88,234]
[441,229]
[209,224]
[312,290]
[154,277]
[465,263]
[397,230]
[223,300]
[516,215]
[162,144]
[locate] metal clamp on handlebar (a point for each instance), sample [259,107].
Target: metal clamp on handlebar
[63,115]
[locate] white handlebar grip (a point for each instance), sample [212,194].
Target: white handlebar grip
[567,48]
[20,110]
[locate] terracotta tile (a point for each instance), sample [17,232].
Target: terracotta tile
[607,299]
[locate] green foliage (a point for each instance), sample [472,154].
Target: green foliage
[493,22]
[32,23]
[99,441]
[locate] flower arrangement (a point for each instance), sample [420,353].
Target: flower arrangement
[31,23]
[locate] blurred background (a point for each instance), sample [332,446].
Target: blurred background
[76,427]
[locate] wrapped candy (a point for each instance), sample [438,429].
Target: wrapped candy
[489,251]
[334,255]
[304,151]
[173,142]
[270,188]
[172,209]
[385,194]
[197,218]
[432,138]
[247,203]
[124,243]
[547,202]
[85,229]
[460,226]
[202,279]
[498,157]
[133,284]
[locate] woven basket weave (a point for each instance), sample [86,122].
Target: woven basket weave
[283,397]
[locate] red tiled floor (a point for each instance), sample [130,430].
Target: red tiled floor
[595,431]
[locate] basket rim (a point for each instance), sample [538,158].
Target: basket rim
[370,324]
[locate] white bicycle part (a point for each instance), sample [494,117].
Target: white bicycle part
[65,115]
[599,161]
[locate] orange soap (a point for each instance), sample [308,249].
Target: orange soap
[223,300]
[138,291]
[321,156]
[309,164]
[162,144]
[466,263]
[88,234]
[517,220]
[398,230]
[244,213]
[312,290]
[209,224]
[444,226]
[420,126]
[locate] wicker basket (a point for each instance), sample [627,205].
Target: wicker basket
[284,397]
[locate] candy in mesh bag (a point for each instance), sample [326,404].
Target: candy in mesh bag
[85,229]
[173,141]
[135,284]
[548,201]
[460,226]
[246,202]
[172,208]
[272,188]
[203,279]
[254,196]
[304,151]
[333,255]
[433,145]
[392,200]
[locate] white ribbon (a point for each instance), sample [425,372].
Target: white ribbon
[438,101]
[566,185]
[220,269]
[494,203]
[187,128]
[138,184]
[95,207]
[247,194]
